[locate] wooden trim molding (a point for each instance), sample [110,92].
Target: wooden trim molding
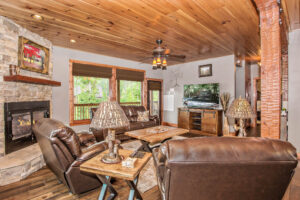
[169,124]
[32,80]
[71,93]
[80,122]
[162,93]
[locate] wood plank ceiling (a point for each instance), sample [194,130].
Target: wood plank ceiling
[292,11]
[128,29]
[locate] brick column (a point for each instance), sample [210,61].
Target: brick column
[270,68]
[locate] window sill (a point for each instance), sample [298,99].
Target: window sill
[80,122]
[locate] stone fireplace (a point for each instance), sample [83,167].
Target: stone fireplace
[19,154]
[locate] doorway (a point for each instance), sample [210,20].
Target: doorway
[154,94]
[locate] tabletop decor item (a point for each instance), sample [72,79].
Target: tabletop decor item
[111,116]
[240,109]
[32,56]
[224,99]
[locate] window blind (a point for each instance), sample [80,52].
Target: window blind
[129,75]
[91,70]
[154,85]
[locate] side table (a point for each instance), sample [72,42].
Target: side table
[105,171]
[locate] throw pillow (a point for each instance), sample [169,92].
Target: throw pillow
[143,116]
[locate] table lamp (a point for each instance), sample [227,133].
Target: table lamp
[240,109]
[111,116]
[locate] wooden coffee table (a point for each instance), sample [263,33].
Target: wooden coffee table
[154,135]
[104,173]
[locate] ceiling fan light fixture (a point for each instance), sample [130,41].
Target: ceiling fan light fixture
[154,62]
[158,61]
[164,62]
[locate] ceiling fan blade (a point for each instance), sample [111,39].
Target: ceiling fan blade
[176,56]
[146,59]
[167,51]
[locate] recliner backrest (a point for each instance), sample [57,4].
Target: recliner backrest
[58,145]
[227,168]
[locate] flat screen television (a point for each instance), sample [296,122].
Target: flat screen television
[201,95]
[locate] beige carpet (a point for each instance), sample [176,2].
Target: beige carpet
[147,179]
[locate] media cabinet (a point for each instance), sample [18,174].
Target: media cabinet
[201,121]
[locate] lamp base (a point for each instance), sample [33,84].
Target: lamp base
[111,160]
[242,131]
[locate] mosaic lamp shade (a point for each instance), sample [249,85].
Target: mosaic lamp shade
[109,115]
[240,109]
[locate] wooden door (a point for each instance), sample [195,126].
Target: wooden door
[183,119]
[209,121]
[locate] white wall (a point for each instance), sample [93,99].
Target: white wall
[61,57]
[187,73]
[254,74]
[240,88]
[294,89]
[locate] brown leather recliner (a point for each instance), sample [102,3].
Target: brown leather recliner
[64,151]
[131,113]
[224,168]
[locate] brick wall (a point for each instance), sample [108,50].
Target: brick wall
[270,68]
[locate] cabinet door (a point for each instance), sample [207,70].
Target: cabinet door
[209,122]
[183,119]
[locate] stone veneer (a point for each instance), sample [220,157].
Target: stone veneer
[18,164]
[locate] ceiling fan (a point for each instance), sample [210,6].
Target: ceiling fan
[161,55]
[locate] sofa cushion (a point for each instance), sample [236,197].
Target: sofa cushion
[143,116]
[131,112]
[136,126]
[69,138]
[149,124]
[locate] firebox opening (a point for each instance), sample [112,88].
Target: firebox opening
[19,119]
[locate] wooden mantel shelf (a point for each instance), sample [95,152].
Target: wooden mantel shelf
[32,80]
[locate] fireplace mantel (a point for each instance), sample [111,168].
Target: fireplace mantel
[32,80]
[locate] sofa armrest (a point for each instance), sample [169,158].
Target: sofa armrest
[86,139]
[90,152]
[154,118]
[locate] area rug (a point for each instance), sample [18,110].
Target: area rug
[147,179]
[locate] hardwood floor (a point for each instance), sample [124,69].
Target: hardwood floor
[43,184]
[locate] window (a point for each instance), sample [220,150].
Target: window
[130,92]
[88,93]
[92,83]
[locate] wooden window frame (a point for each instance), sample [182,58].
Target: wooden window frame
[119,94]
[113,89]
[162,95]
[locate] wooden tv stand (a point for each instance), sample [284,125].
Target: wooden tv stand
[201,121]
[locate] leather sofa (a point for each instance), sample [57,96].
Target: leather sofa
[224,168]
[132,113]
[64,151]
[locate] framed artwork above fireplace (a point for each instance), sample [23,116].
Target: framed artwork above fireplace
[32,56]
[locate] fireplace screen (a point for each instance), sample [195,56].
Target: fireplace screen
[19,119]
[21,125]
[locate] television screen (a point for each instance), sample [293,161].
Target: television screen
[201,95]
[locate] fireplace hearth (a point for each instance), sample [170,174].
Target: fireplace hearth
[19,119]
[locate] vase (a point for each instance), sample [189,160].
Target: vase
[226,127]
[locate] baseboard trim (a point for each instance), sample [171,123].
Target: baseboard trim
[169,124]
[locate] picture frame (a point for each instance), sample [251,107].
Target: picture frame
[205,70]
[32,56]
